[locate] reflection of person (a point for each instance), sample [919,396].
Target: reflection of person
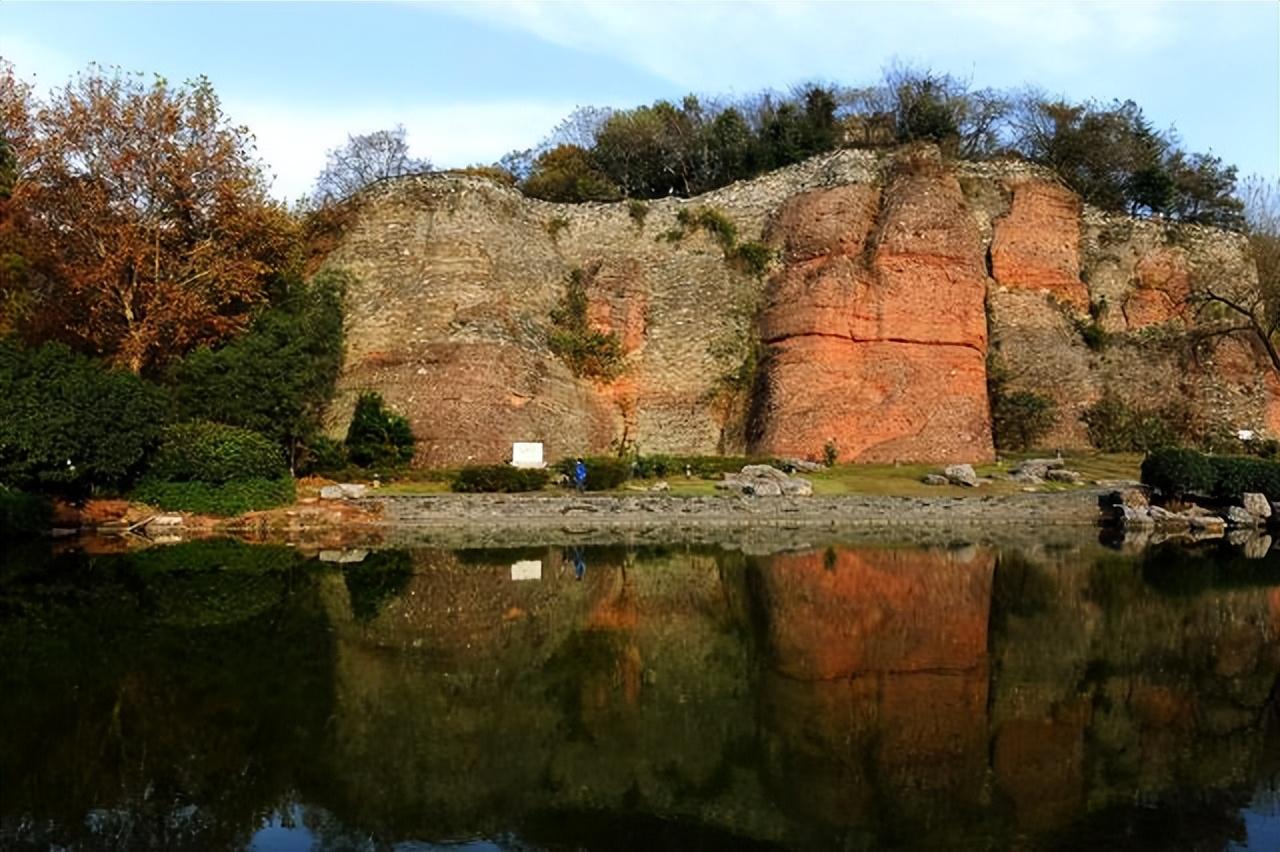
[579,564]
[580,475]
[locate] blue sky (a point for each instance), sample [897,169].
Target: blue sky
[471,81]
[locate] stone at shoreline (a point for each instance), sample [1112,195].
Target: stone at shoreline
[1256,504]
[762,480]
[166,521]
[1060,475]
[1238,516]
[961,474]
[935,479]
[801,465]
[1036,468]
[343,491]
[344,557]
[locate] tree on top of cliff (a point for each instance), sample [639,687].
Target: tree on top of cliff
[365,159]
[150,215]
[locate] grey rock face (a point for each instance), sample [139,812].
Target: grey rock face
[961,474]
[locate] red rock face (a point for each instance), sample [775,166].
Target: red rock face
[1037,245]
[1163,288]
[876,327]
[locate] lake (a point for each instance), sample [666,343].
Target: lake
[846,695]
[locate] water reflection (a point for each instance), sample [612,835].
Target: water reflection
[218,695]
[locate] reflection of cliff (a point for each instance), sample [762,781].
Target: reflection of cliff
[841,698]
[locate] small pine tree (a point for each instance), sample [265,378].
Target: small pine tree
[378,437]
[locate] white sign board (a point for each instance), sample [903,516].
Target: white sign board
[1245,434]
[527,569]
[527,454]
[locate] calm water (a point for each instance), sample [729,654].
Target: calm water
[223,696]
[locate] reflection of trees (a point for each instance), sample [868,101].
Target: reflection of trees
[842,698]
[130,724]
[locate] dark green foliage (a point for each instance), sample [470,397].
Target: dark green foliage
[753,257]
[377,436]
[228,498]
[380,577]
[637,210]
[68,424]
[1265,448]
[567,173]
[1094,336]
[1175,472]
[830,453]
[277,377]
[214,453]
[603,472]
[323,455]
[1115,426]
[590,353]
[1236,475]
[502,478]
[1179,471]
[22,514]
[704,467]
[1019,419]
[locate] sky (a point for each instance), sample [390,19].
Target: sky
[472,81]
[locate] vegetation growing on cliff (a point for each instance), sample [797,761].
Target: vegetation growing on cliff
[1019,419]
[750,256]
[589,352]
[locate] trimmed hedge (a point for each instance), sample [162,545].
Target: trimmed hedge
[603,472]
[214,454]
[487,478]
[1176,472]
[703,467]
[207,498]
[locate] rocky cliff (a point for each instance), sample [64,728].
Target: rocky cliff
[892,277]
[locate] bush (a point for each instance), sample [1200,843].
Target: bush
[753,257]
[22,514]
[1176,472]
[587,352]
[69,424]
[227,498]
[489,478]
[378,437]
[277,377]
[704,467]
[1114,426]
[323,455]
[603,472]
[1019,420]
[213,453]
[1235,475]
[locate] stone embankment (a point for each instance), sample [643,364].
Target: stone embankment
[620,512]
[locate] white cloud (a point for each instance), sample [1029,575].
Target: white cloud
[294,139]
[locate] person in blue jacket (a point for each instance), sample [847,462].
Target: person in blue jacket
[580,475]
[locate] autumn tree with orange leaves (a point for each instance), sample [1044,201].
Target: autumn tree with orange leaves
[150,212]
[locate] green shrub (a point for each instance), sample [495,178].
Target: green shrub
[278,376]
[22,514]
[1265,448]
[1021,419]
[603,472]
[323,455]
[504,478]
[377,436]
[637,210]
[68,424]
[753,257]
[214,453]
[227,498]
[830,453]
[589,353]
[1176,472]
[1094,336]
[1235,475]
[703,467]
[1115,426]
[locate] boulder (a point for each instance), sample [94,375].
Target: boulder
[343,491]
[1139,516]
[764,488]
[762,471]
[1238,516]
[1061,475]
[661,485]
[792,465]
[1256,504]
[935,479]
[797,487]
[1036,468]
[961,474]
[344,557]
[165,521]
